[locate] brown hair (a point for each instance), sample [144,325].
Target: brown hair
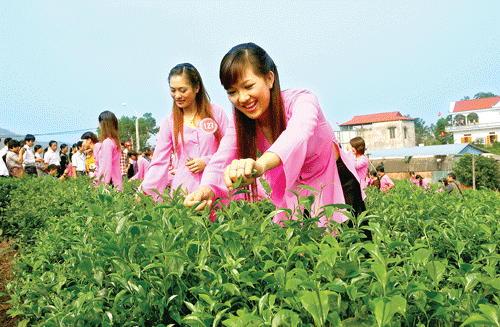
[203,109]
[109,127]
[91,136]
[232,66]
[358,143]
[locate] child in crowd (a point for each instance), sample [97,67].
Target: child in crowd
[40,166]
[52,172]
[92,145]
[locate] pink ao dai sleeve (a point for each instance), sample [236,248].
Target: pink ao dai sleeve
[306,150]
[97,148]
[361,165]
[197,144]
[109,164]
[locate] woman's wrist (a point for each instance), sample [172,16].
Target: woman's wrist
[207,191]
[267,162]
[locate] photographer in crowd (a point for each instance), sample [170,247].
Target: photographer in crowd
[14,159]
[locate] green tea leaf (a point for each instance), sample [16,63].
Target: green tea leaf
[436,270]
[316,303]
[384,311]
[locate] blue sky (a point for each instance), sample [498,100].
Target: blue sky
[64,62]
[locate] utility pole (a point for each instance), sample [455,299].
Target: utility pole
[473,172]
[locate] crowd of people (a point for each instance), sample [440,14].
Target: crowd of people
[24,158]
[282,136]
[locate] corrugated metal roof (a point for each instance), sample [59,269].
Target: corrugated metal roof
[475,104]
[431,150]
[376,118]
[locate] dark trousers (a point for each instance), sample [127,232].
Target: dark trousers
[352,195]
[351,189]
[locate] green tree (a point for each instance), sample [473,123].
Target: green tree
[422,132]
[481,95]
[440,127]
[493,148]
[487,171]
[126,129]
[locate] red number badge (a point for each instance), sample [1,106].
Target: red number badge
[208,125]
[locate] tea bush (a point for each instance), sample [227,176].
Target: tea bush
[100,258]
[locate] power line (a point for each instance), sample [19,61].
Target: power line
[54,133]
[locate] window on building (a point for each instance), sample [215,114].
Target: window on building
[405,130]
[466,139]
[392,132]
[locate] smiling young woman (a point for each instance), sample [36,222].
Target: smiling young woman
[200,126]
[297,143]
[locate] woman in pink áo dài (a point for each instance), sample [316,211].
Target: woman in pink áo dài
[356,149]
[297,143]
[143,164]
[109,153]
[193,131]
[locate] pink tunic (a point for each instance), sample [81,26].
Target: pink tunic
[142,168]
[385,182]
[361,164]
[197,144]
[306,150]
[425,183]
[109,164]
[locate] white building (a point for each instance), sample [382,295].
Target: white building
[385,130]
[475,120]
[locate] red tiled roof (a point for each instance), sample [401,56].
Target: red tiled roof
[475,104]
[376,118]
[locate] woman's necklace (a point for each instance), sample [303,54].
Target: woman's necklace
[193,117]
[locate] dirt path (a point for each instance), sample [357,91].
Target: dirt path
[6,257]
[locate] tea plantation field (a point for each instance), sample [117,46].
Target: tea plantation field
[94,257]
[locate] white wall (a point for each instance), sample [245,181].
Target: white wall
[378,137]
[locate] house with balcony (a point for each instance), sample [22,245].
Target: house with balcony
[385,130]
[476,120]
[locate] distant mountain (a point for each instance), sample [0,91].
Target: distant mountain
[6,133]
